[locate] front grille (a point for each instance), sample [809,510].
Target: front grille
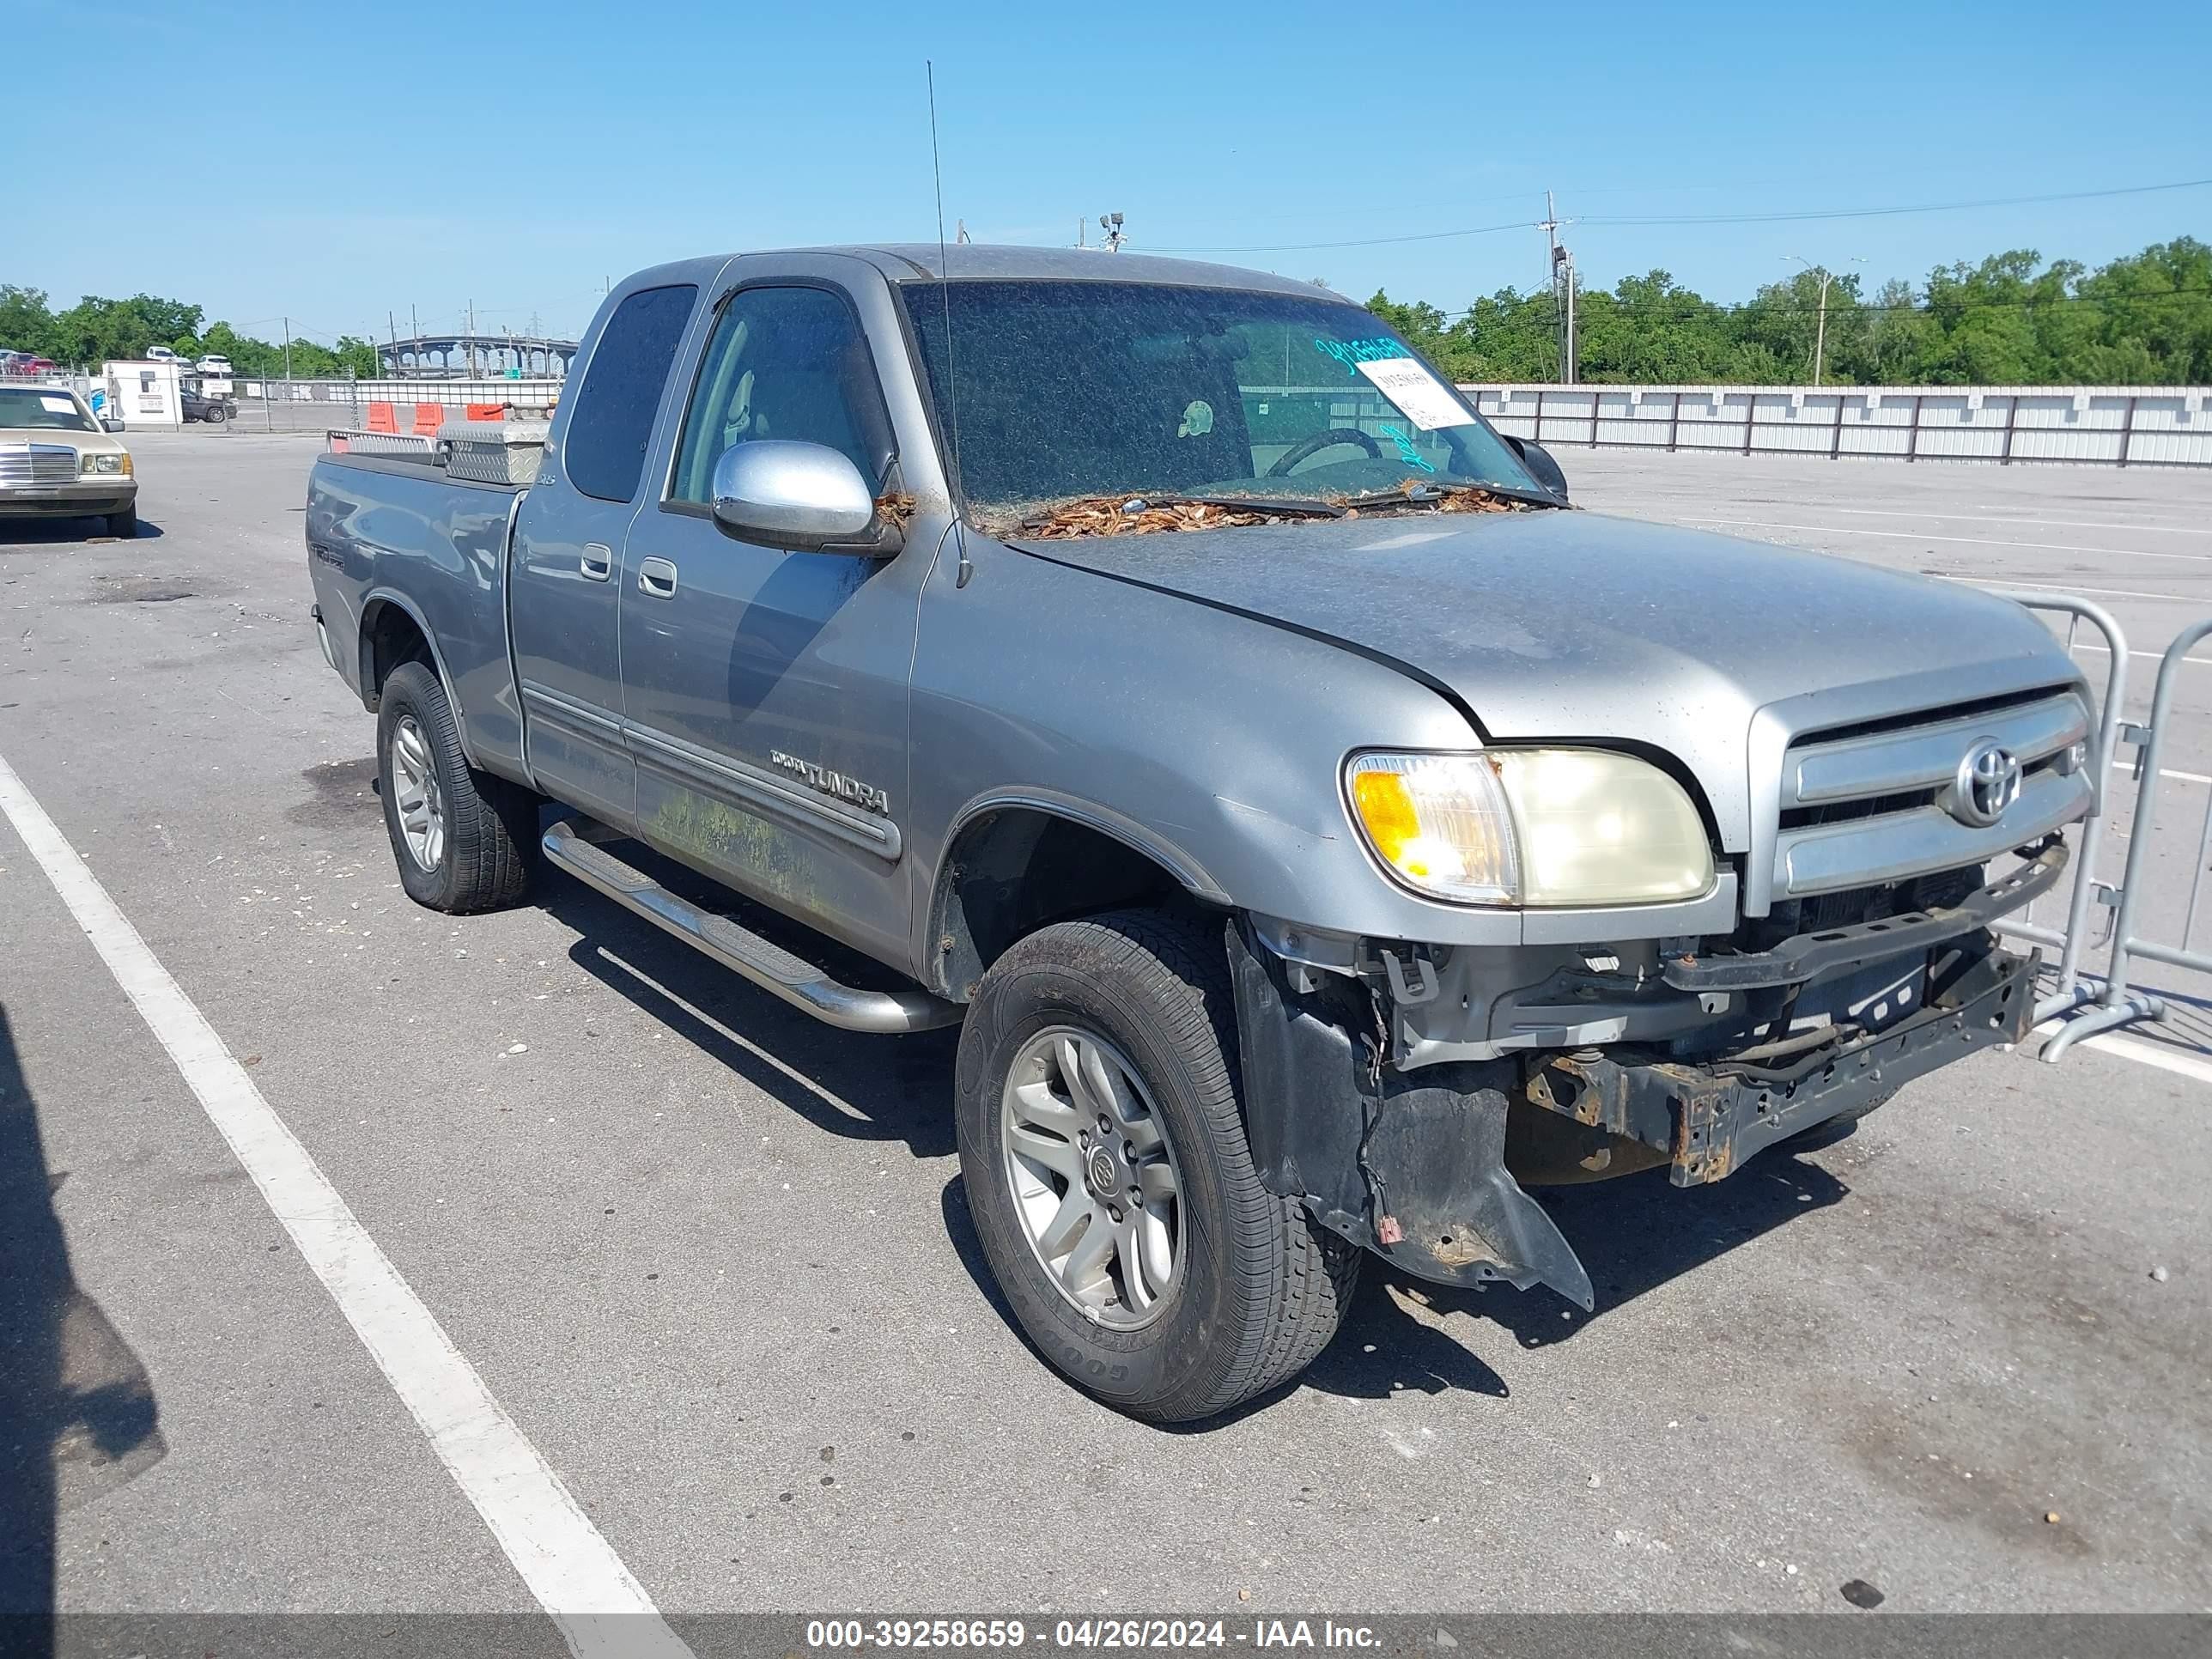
[1872,803]
[37,464]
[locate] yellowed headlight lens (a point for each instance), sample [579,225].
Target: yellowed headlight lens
[1597,828]
[1558,827]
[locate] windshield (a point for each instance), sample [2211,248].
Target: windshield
[53,409]
[1071,391]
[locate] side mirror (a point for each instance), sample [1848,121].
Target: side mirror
[109,424]
[804,497]
[1538,460]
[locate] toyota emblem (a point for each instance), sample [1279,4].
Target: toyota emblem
[1988,782]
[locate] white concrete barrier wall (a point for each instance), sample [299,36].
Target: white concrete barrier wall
[2103,425]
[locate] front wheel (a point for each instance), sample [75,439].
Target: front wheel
[463,840]
[125,525]
[1103,1150]
[215,415]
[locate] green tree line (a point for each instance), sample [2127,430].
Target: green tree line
[95,331]
[2145,320]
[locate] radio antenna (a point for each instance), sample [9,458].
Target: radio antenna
[944,286]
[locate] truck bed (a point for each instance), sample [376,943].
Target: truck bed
[385,531]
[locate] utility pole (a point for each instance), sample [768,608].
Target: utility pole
[1820,328]
[473,339]
[1563,288]
[1573,374]
[392,334]
[287,348]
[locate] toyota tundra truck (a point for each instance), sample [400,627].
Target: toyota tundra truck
[1321,831]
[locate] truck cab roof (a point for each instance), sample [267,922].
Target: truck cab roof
[906,262]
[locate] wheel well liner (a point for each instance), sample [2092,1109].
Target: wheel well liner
[1012,868]
[391,634]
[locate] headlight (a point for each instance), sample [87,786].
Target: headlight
[104,461]
[1531,826]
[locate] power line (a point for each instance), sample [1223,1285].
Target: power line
[1886,212]
[1792,217]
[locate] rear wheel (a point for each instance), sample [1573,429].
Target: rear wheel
[1102,1149]
[463,840]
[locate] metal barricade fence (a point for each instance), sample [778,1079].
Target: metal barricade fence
[2118,1003]
[2070,938]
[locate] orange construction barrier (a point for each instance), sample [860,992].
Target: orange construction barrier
[383,417]
[428,418]
[484,411]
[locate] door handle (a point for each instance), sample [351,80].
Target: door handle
[657,577]
[597,563]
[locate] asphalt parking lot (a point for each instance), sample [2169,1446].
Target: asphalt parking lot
[713,1262]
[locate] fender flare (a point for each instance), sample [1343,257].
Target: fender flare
[1056,803]
[933,915]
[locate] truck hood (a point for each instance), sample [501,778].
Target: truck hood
[1577,626]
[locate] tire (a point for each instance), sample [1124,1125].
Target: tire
[485,849]
[123,526]
[215,415]
[1257,1288]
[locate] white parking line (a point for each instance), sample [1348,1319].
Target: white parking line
[2002,518]
[2071,587]
[2154,656]
[1977,541]
[600,1609]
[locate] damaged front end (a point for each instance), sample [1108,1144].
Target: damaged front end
[1413,1167]
[1399,1091]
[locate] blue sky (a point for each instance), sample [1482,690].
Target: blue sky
[516,154]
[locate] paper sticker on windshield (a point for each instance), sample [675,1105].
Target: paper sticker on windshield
[54,405]
[1427,401]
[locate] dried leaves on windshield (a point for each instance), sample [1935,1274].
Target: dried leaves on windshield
[1467,498]
[1104,515]
[1117,515]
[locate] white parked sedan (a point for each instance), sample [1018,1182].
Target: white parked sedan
[57,461]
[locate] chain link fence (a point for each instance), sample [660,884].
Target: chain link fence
[401,406]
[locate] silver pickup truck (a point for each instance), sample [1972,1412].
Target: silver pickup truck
[1318,828]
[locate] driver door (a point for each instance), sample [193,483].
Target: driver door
[765,691]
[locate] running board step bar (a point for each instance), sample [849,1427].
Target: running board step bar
[770,966]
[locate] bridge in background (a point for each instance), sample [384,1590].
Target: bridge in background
[475,356]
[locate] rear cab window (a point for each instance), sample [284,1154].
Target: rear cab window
[611,424]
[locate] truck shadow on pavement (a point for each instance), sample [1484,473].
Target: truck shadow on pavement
[77,1412]
[1638,1233]
[882,1088]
